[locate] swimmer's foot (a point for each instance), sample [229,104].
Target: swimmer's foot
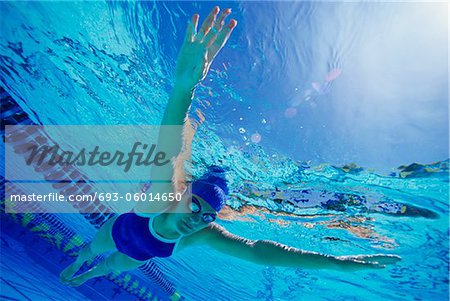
[175,297]
[68,273]
[79,280]
[84,255]
[100,269]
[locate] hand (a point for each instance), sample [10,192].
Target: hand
[377,258]
[377,261]
[200,48]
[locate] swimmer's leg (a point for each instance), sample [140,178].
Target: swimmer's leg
[102,242]
[116,262]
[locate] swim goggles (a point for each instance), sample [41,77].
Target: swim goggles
[196,208]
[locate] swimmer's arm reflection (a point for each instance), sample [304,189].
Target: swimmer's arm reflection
[266,252]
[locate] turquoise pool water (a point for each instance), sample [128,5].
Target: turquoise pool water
[300,92]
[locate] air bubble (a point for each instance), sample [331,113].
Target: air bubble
[255,138]
[290,112]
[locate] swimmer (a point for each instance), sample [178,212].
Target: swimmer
[136,237]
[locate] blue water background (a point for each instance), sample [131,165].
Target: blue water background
[319,84]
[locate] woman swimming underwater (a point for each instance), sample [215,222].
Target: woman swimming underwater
[136,237]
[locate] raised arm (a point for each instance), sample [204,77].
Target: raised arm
[196,55]
[266,252]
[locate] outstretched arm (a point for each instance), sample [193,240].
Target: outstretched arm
[196,55]
[266,252]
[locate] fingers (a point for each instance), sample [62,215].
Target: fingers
[379,259]
[207,24]
[222,38]
[195,18]
[385,259]
[191,30]
[215,30]
[369,264]
[221,20]
[226,32]
[376,265]
[212,35]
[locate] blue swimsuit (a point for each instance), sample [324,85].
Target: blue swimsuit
[134,236]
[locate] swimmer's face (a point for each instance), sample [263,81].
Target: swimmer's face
[202,214]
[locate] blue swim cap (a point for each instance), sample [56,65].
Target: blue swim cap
[212,187]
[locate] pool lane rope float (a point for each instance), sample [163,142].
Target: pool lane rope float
[12,114]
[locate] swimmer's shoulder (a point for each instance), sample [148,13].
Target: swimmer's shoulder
[144,214]
[205,236]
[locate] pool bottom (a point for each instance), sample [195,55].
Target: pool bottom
[30,268]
